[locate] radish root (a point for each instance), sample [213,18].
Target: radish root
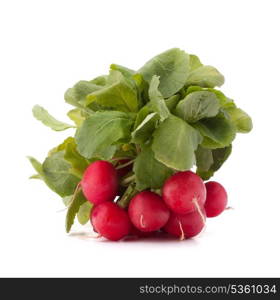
[182,237]
[198,209]
[141,221]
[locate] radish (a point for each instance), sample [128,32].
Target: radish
[185,226]
[110,221]
[140,234]
[147,211]
[100,182]
[216,200]
[184,192]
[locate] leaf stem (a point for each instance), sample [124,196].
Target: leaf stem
[77,190]
[138,149]
[116,159]
[126,197]
[125,165]
[128,180]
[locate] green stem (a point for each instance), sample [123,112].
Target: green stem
[128,180]
[126,164]
[138,149]
[127,196]
[116,159]
[78,189]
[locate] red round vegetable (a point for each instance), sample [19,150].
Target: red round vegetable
[148,212]
[100,182]
[184,192]
[186,226]
[110,221]
[140,234]
[216,199]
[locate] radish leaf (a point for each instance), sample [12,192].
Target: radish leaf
[175,142]
[172,66]
[99,133]
[149,172]
[198,105]
[73,209]
[42,115]
[117,94]
[157,103]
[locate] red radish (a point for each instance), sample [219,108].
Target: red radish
[185,226]
[110,221]
[148,212]
[138,233]
[100,182]
[216,200]
[91,220]
[184,192]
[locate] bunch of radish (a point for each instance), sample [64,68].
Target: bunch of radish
[137,134]
[180,208]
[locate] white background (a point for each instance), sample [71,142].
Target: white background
[46,46]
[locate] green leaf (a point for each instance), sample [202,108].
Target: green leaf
[175,142]
[198,105]
[78,162]
[77,116]
[149,172]
[142,87]
[194,62]
[172,102]
[58,176]
[172,66]
[205,76]
[76,95]
[60,147]
[100,80]
[35,176]
[204,158]
[144,131]
[84,212]
[36,165]
[42,115]
[217,132]
[125,71]
[223,100]
[240,119]
[219,156]
[73,209]
[134,79]
[141,115]
[98,134]
[117,94]
[157,102]
[67,200]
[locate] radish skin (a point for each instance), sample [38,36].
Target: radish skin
[216,200]
[183,192]
[100,182]
[148,212]
[110,221]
